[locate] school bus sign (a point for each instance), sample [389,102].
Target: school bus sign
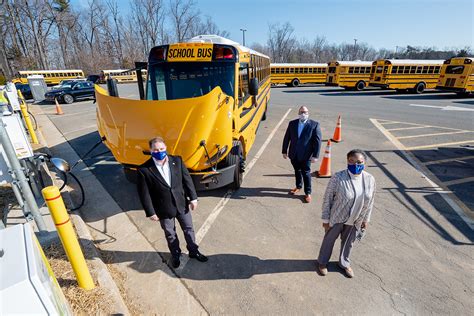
[195,52]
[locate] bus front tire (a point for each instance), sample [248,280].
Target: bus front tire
[420,88]
[67,98]
[360,86]
[295,82]
[236,158]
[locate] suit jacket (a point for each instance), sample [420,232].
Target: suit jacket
[307,145]
[157,196]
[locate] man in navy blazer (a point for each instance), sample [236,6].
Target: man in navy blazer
[303,136]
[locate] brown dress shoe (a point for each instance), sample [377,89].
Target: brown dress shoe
[294,191]
[323,270]
[307,198]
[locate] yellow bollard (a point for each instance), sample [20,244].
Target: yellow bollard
[68,236]
[26,117]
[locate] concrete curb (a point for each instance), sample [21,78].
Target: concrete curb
[103,276]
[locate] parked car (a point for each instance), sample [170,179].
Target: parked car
[93,78]
[69,93]
[67,82]
[25,90]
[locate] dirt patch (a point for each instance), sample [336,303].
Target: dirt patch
[93,302]
[7,197]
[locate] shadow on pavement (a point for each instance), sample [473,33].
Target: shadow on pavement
[417,210]
[428,95]
[465,102]
[243,193]
[219,266]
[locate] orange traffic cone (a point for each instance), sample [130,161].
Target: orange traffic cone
[337,137]
[325,168]
[59,111]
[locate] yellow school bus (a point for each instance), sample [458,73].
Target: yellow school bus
[349,74]
[457,75]
[122,75]
[52,77]
[403,74]
[295,74]
[205,97]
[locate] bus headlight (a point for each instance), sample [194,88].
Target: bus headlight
[215,158]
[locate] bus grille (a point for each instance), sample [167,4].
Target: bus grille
[450,82]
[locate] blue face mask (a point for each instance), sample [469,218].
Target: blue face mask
[355,169]
[159,155]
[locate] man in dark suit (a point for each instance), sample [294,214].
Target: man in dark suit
[167,193]
[304,139]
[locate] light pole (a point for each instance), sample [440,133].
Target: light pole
[243,36]
[355,48]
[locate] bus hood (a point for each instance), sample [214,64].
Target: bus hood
[127,125]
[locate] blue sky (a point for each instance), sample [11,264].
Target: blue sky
[381,23]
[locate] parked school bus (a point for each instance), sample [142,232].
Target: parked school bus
[349,74]
[122,75]
[51,77]
[205,97]
[457,75]
[403,74]
[295,74]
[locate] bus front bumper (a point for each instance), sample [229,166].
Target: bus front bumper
[379,85]
[211,180]
[331,84]
[452,89]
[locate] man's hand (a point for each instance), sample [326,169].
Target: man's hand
[313,160]
[364,225]
[154,218]
[285,156]
[193,205]
[326,227]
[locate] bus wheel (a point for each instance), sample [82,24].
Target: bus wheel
[295,82]
[236,158]
[420,87]
[360,85]
[67,98]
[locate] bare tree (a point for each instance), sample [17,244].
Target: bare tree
[183,15]
[281,41]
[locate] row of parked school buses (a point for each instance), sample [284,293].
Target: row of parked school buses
[454,74]
[54,77]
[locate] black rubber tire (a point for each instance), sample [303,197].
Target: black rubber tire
[295,82]
[420,88]
[235,157]
[68,99]
[360,86]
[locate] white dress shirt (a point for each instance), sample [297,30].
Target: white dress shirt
[164,170]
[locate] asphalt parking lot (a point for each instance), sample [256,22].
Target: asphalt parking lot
[417,257]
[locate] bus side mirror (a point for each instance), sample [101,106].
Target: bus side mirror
[253,86]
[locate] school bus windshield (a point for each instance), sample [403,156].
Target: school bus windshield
[182,80]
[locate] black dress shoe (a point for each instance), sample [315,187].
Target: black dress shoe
[175,262]
[199,256]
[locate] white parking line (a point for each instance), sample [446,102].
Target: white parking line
[439,145]
[448,197]
[459,181]
[226,198]
[434,134]
[404,128]
[440,161]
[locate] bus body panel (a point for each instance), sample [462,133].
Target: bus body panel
[457,75]
[51,77]
[347,74]
[405,74]
[127,125]
[304,73]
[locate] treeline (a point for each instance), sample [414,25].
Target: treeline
[284,47]
[52,34]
